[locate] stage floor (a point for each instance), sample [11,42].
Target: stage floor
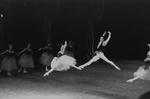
[97,81]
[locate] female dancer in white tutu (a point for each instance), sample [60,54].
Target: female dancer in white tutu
[46,56]
[63,62]
[100,54]
[144,71]
[9,61]
[26,59]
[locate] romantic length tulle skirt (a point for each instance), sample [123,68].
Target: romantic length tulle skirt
[26,61]
[9,64]
[46,59]
[142,73]
[63,63]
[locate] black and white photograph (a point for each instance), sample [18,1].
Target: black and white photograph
[74,49]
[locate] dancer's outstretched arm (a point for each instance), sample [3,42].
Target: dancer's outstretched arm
[47,73]
[131,80]
[107,40]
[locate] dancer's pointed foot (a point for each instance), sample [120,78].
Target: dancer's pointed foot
[117,68]
[130,80]
[19,71]
[81,66]
[46,74]
[25,71]
[9,74]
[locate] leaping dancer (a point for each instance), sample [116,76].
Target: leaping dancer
[99,53]
[62,62]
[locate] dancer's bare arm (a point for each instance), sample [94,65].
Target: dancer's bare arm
[107,40]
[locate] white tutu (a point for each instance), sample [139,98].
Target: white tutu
[62,63]
[9,64]
[46,59]
[142,73]
[26,61]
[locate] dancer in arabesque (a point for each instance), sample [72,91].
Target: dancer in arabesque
[62,62]
[99,54]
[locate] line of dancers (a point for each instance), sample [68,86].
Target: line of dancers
[64,59]
[10,60]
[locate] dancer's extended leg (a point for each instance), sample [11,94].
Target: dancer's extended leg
[95,58]
[102,56]
[76,67]
[20,69]
[47,73]
[131,80]
[24,71]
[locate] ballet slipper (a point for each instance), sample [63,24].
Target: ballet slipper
[129,80]
[46,74]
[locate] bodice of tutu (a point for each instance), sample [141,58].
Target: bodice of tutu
[9,54]
[47,50]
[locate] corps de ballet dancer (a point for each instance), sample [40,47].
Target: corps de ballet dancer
[62,62]
[99,52]
[46,56]
[26,59]
[143,72]
[9,62]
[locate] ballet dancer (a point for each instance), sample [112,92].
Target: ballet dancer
[46,56]
[9,60]
[26,59]
[63,62]
[99,52]
[143,72]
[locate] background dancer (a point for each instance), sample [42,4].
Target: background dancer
[144,71]
[46,56]
[9,60]
[99,53]
[63,62]
[26,59]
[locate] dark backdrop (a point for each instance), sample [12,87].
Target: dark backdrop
[82,21]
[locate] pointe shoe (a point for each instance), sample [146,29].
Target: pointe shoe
[129,81]
[9,74]
[19,71]
[81,67]
[117,68]
[46,74]
[25,71]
